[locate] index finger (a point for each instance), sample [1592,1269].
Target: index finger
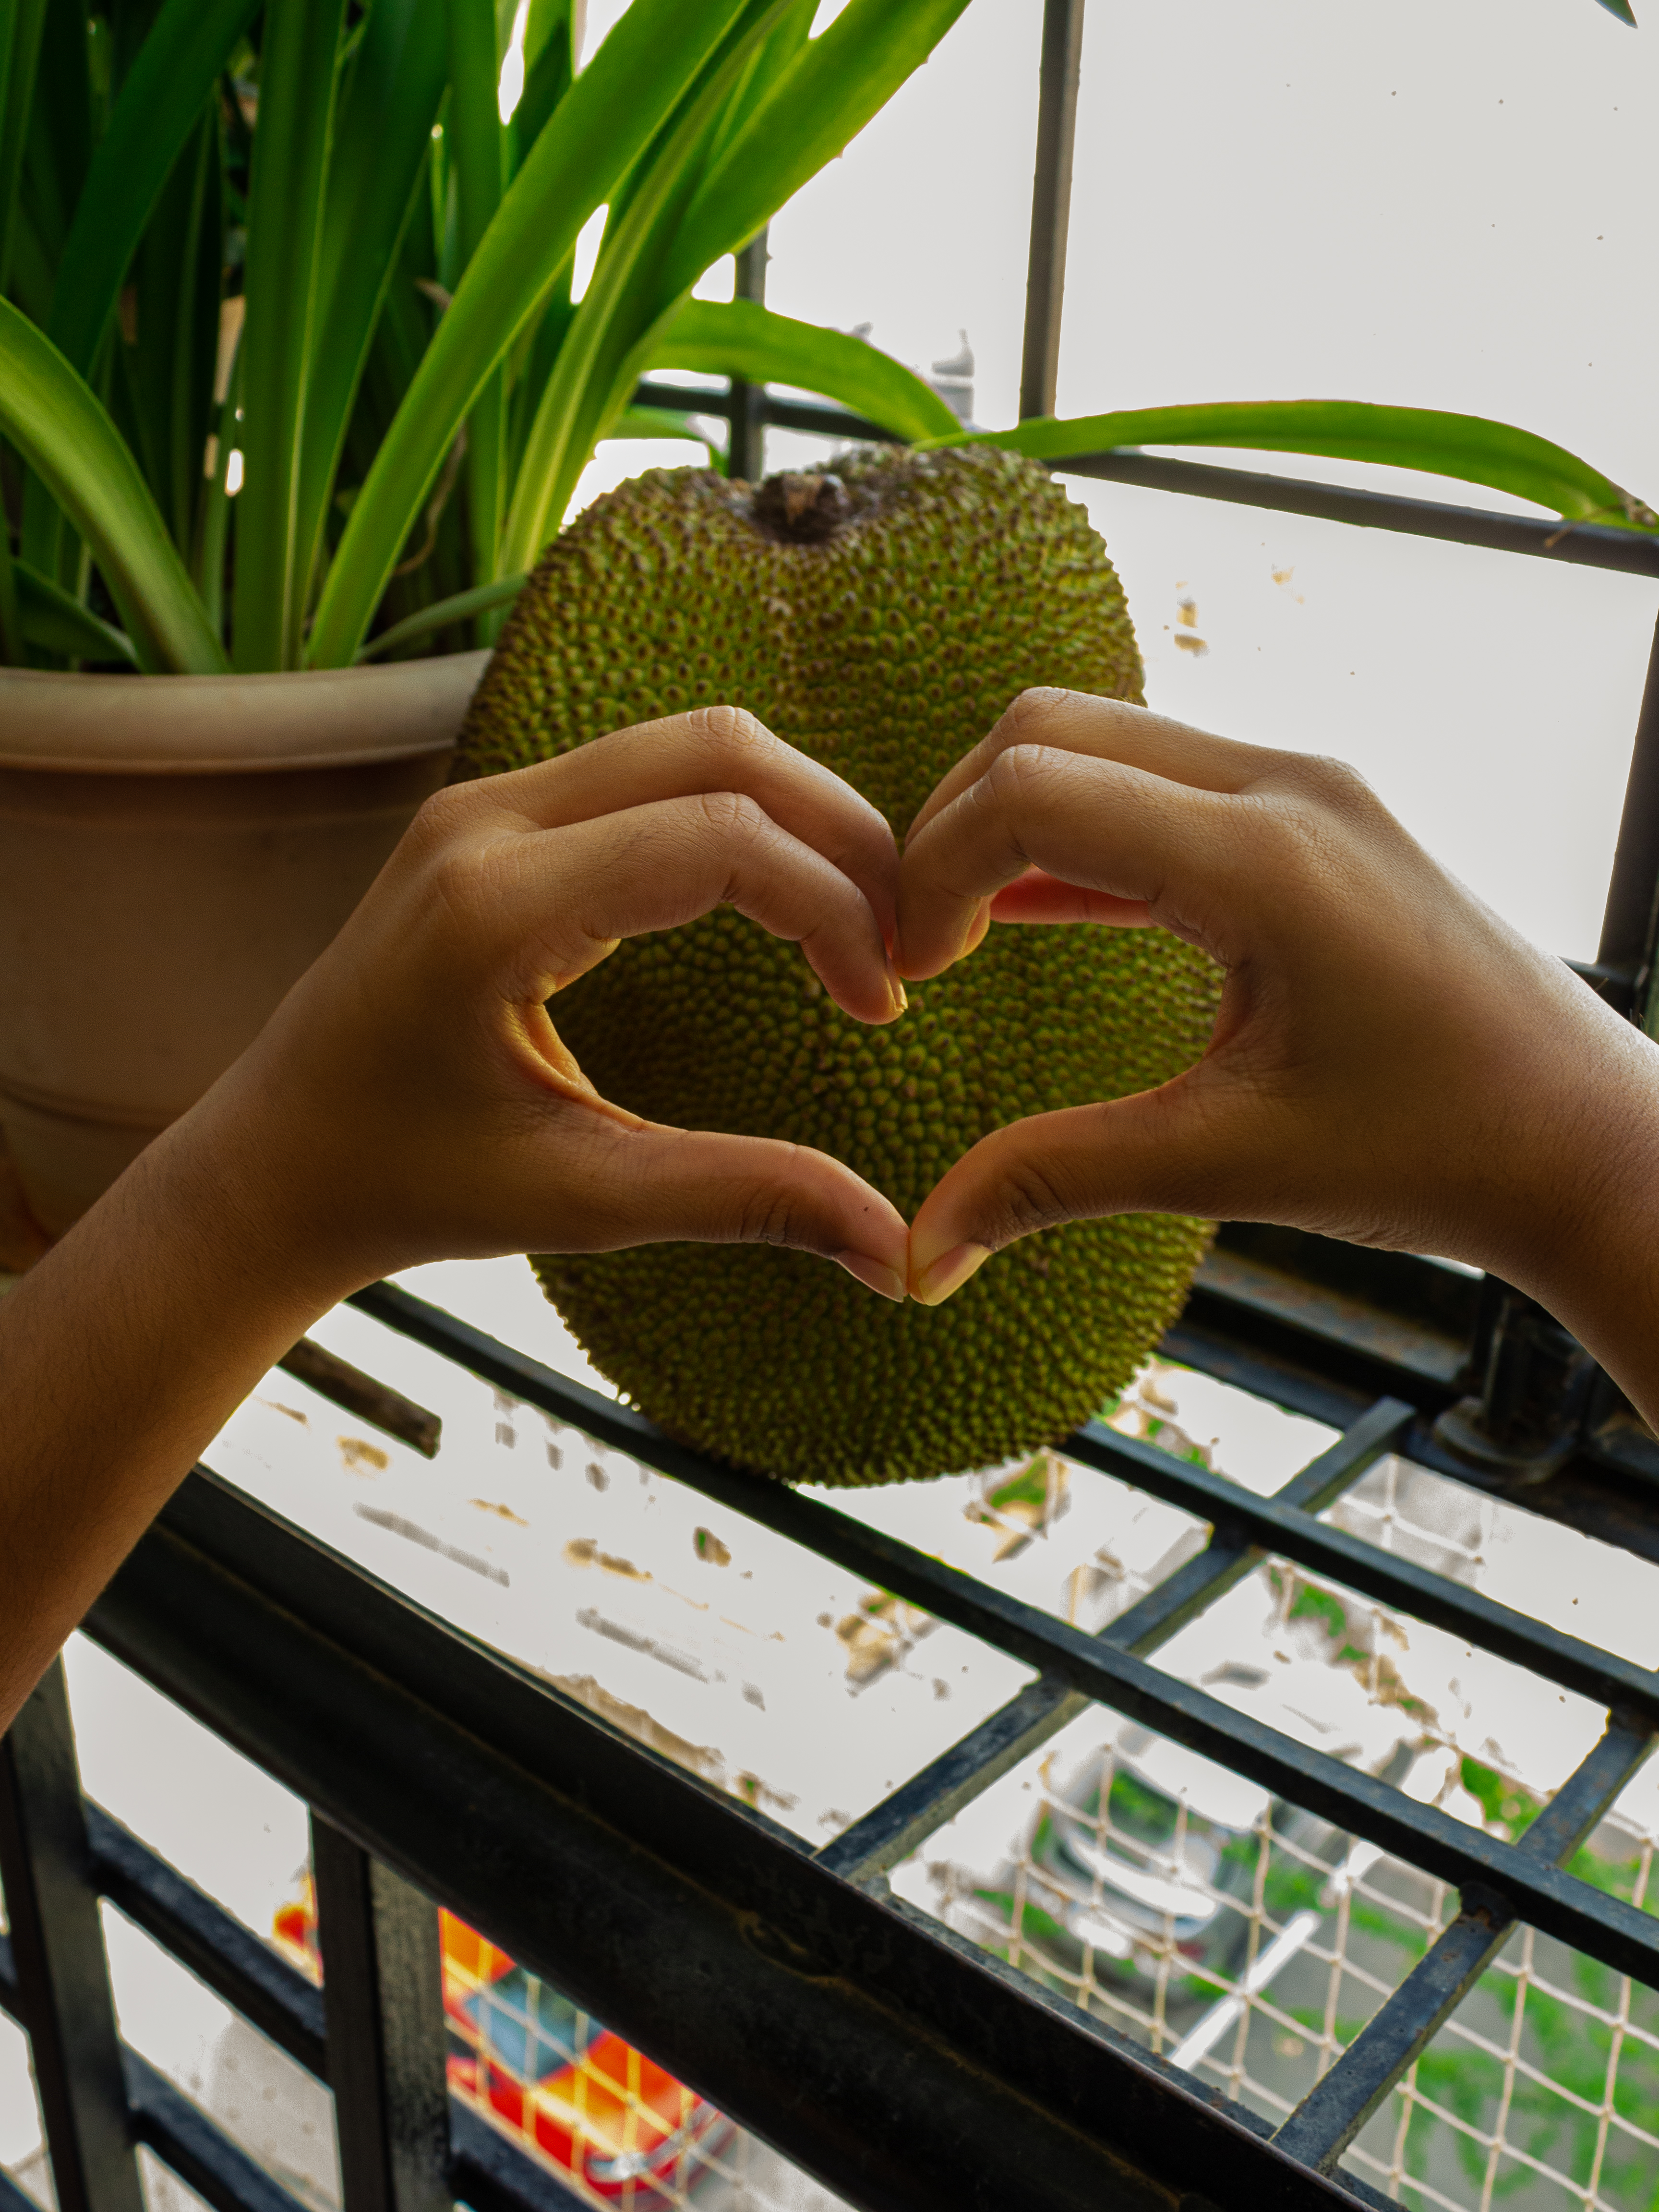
[1106,729]
[1157,849]
[707,750]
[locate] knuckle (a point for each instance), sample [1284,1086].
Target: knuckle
[731,733]
[732,816]
[767,1215]
[469,875]
[460,881]
[1332,782]
[1022,772]
[1028,1198]
[439,819]
[1036,707]
[1026,762]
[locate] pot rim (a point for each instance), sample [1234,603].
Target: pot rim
[67,722]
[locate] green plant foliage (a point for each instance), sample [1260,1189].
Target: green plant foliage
[414,393]
[1465,446]
[156,114]
[738,338]
[49,615]
[53,417]
[287,193]
[403,258]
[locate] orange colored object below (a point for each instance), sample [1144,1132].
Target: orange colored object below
[560,2085]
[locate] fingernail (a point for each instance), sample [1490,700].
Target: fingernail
[886,1282]
[945,1276]
[978,930]
[895,989]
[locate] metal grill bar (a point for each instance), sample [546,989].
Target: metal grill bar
[939,1791]
[1617,1934]
[1584,545]
[1051,203]
[1627,923]
[12,2198]
[55,1962]
[1566,1660]
[491,2174]
[486,2170]
[1595,546]
[747,451]
[1608,1488]
[164,2119]
[638,1890]
[246,1972]
[1334,2111]
[383,2001]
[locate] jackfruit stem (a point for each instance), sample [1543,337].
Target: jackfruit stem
[799,509]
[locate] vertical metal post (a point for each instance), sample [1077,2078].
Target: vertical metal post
[747,448]
[1051,203]
[59,1960]
[383,2006]
[1627,924]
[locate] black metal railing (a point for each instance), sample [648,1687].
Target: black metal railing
[904,2065]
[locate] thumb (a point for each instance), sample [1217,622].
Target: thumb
[644,1184]
[1167,1151]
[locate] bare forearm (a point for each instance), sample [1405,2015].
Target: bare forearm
[1592,1258]
[121,1356]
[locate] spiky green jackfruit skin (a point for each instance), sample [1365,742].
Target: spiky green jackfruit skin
[955,580]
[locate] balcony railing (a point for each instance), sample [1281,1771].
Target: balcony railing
[900,2060]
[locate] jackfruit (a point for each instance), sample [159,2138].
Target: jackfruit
[880,618]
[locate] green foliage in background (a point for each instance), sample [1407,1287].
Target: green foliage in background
[290,370]
[300,234]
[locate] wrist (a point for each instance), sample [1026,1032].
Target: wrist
[215,1204]
[1581,1234]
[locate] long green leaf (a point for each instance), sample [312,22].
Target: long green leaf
[463,606]
[60,121]
[169,366]
[49,615]
[383,129]
[158,108]
[1469,446]
[21,22]
[824,91]
[550,70]
[835,85]
[477,147]
[595,372]
[596,133]
[661,423]
[739,337]
[284,234]
[58,425]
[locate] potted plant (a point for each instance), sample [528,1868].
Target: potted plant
[291,375]
[292,381]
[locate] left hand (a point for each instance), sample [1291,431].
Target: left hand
[411,1097]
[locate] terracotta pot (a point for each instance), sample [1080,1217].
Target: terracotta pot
[174,852]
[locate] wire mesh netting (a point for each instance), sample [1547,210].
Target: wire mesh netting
[1228,1930]
[1225,1928]
[614,2127]
[1249,1941]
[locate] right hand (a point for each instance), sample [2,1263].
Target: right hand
[1391,1064]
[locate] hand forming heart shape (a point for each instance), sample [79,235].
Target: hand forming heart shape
[1369,1071]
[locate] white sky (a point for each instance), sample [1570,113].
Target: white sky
[1449,202]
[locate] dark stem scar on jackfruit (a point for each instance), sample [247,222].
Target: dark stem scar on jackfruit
[880,619]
